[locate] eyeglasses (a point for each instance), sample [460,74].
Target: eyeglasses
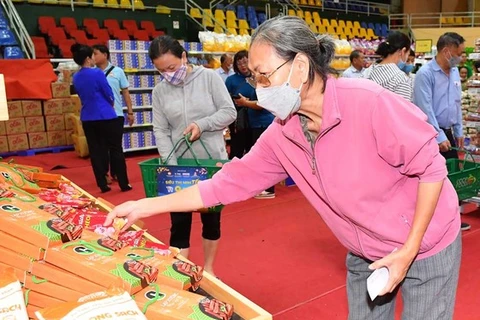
[263,79]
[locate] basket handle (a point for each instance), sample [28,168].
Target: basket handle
[186,139]
[467,153]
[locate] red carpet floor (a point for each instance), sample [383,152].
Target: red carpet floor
[278,252]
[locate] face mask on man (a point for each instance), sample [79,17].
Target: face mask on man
[282,100]
[454,61]
[175,77]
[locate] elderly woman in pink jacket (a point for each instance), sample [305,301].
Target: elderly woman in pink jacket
[345,136]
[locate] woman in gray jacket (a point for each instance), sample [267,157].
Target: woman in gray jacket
[189,100]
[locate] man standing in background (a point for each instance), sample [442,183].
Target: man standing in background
[437,91]
[225,69]
[118,82]
[464,63]
[357,65]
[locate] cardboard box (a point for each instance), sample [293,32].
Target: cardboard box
[69,123]
[35,124]
[15,109]
[76,104]
[75,124]
[3,128]
[32,108]
[40,299]
[64,278]
[55,122]
[38,140]
[181,305]
[16,126]
[4,144]
[15,260]
[19,274]
[20,246]
[31,309]
[81,146]
[51,289]
[68,137]
[35,226]
[53,106]
[67,105]
[56,138]
[108,264]
[18,142]
[60,90]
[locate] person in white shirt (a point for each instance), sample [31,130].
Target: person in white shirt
[225,69]
[357,65]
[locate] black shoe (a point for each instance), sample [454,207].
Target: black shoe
[127,188]
[105,189]
[465,226]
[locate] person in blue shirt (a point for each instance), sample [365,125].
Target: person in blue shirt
[118,82]
[438,91]
[257,118]
[98,118]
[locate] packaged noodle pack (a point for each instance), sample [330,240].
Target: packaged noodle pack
[110,304]
[12,305]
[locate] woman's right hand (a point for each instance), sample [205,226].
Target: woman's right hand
[131,211]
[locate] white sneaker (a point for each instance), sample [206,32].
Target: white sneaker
[265,195]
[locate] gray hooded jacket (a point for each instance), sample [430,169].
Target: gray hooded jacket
[202,99]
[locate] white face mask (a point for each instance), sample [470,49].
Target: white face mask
[281,101]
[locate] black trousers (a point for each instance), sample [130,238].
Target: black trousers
[182,226]
[256,133]
[103,143]
[119,137]
[240,142]
[450,154]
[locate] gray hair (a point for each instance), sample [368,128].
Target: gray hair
[449,39]
[291,35]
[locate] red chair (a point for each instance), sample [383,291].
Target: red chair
[56,35]
[141,35]
[46,23]
[130,26]
[92,42]
[148,26]
[69,24]
[111,25]
[121,35]
[79,36]
[158,33]
[65,48]
[41,49]
[90,25]
[101,34]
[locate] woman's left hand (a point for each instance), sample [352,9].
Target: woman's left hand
[397,263]
[242,101]
[194,130]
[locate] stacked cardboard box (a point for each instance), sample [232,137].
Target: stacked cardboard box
[74,127]
[35,124]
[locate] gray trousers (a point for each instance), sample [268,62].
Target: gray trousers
[428,291]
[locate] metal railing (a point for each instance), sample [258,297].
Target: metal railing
[190,4]
[435,20]
[351,6]
[18,28]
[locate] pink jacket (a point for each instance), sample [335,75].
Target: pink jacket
[362,176]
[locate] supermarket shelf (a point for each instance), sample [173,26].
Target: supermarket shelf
[138,108]
[129,51]
[143,125]
[136,70]
[139,149]
[189,52]
[141,89]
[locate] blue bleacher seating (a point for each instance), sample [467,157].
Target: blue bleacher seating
[262,18]
[363,24]
[13,53]
[230,8]
[220,7]
[7,38]
[3,23]
[241,13]
[370,26]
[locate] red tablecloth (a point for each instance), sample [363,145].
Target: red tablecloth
[28,79]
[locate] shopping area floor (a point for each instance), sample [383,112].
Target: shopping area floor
[278,252]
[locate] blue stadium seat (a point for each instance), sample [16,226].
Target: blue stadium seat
[384,29]
[7,38]
[220,6]
[13,53]
[262,18]
[3,23]
[241,13]
[363,24]
[230,8]
[253,24]
[370,26]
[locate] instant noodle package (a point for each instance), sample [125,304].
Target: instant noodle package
[59,261]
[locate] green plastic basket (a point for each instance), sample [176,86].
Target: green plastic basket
[465,176]
[161,179]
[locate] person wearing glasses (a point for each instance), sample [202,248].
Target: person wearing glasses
[257,119]
[193,101]
[380,185]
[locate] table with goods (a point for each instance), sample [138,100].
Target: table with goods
[58,261]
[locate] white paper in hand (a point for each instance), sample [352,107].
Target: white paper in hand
[377,281]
